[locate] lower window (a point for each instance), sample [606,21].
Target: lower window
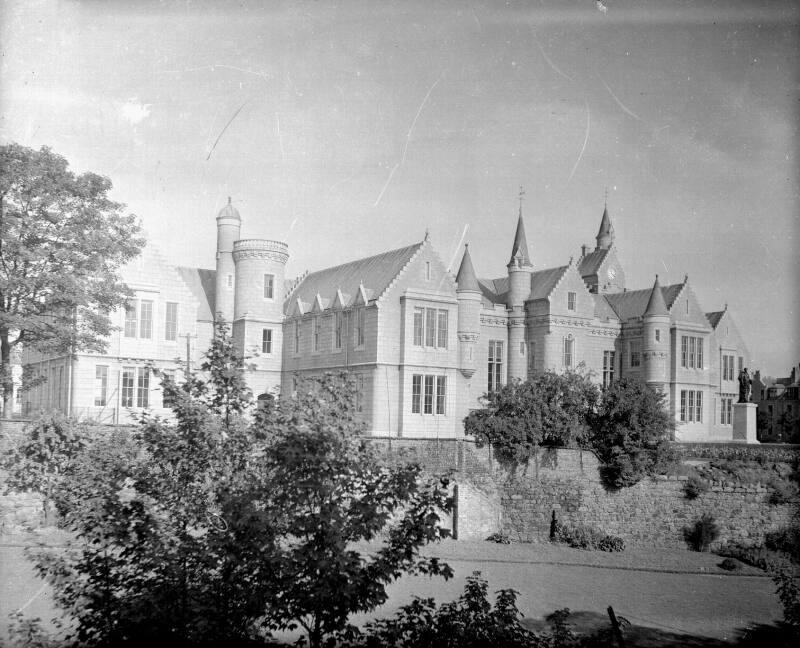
[428,394]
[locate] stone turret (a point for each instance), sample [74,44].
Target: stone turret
[656,338]
[258,311]
[605,236]
[469,314]
[520,270]
[229,225]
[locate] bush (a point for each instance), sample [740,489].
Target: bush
[730,564]
[787,581]
[695,486]
[631,433]
[499,538]
[757,556]
[781,491]
[786,541]
[702,533]
[583,537]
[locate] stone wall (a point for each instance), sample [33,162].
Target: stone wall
[489,498]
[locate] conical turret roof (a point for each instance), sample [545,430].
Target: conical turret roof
[656,304]
[466,279]
[520,248]
[229,211]
[605,235]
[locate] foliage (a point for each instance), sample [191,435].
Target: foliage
[702,533]
[627,425]
[28,633]
[217,528]
[631,432]
[780,477]
[470,622]
[44,456]
[730,564]
[63,242]
[787,582]
[329,491]
[786,541]
[756,555]
[695,486]
[584,537]
[548,409]
[499,538]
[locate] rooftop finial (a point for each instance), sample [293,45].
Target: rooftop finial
[521,197]
[229,200]
[427,234]
[605,202]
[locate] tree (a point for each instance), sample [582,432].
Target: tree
[631,432]
[328,492]
[41,461]
[218,526]
[62,242]
[547,409]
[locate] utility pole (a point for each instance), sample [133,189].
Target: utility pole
[188,337]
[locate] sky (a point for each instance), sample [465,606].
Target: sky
[350,128]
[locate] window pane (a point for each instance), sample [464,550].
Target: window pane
[269,286]
[418,326]
[699,353]
[430,327]
[101,385]
[146,319]
[441,383]
[338,334]
[441,342]
[171,321]
[699,407]
[416,393]
[128,374]
[684,350]
[266,341]
[428,394]
[683,404]
[131,320]
[143,387]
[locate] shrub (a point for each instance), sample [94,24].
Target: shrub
[583,537]
[499,538]
[757,556]
[730,564]
[786,540]
[695,486]
[787,581]
[781,491]
[702,533]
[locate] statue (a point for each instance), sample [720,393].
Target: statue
[745,386]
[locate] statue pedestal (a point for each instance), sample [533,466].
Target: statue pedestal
[744,422]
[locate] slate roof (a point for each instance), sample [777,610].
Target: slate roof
[520,246]
[543,281]
[715,317]
[495,291]
[656,305]
[591,263]
[633,303]
[602,309]
[202,284]
[466,280]
[376,273]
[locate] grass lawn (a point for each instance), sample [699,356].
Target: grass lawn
[672,597]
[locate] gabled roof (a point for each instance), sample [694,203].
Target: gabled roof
[602,310]
[591,263]
[714,318]
[376,273]
[633,303]
[202,285]
[543,281]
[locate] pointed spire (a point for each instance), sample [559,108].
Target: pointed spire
[605,236]
[519,251]
[656,304]
[466,279]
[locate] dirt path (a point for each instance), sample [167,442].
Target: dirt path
[678,591]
